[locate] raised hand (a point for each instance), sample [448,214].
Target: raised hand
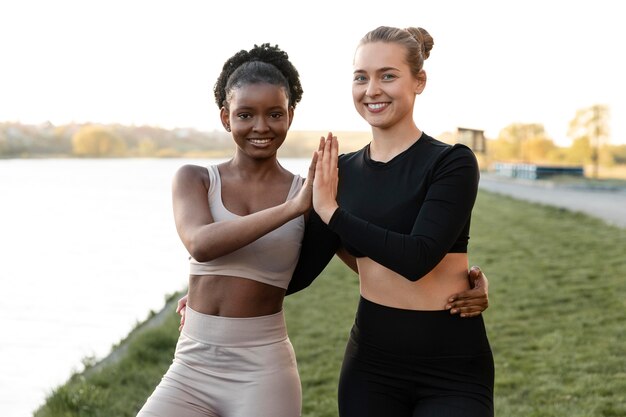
[326,179]
[303,200]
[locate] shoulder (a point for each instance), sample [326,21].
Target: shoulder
[460,154]
[190,174]
[189,171]
[452,161]
[446,153]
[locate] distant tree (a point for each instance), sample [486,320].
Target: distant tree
[537,149]
[523,142]
[580,151]
[146,147]
[13,140]
[97,141]
[590,129]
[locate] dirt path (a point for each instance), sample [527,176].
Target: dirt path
[606,204]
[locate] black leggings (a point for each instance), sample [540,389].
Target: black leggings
[406,363]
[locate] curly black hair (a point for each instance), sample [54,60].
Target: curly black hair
[263,63]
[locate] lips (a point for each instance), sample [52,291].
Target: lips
[376,107]
[260,141]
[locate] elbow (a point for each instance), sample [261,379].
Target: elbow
[421,265]
[413,277]
[198,255]
[410,271]
[199,252]
[414,273]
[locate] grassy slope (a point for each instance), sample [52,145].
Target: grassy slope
[557,292]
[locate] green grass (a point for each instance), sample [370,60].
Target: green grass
[558,308]
[119,389]
[556,324]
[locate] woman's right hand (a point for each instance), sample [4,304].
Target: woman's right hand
[474,301]
[181,309]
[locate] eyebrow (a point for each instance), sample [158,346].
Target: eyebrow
[246,107]
[383,69]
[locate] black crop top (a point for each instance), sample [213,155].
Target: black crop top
[406,214]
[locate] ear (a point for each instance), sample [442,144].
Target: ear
[291,113]
[225,118]
[420,82]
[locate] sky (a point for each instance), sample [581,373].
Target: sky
[153,62]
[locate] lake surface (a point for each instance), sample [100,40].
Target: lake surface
[87,249]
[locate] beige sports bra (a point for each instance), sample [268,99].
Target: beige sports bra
[271,259]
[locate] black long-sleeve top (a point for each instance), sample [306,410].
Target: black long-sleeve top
[406,214]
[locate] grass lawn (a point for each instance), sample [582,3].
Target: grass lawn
[556,323]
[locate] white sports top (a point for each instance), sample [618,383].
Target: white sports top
[271,259]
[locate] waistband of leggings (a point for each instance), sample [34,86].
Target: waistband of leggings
[235,331]
[418,332]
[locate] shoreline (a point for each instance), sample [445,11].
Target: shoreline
[119,349]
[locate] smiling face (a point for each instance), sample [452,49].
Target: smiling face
[383,88]
[259,117]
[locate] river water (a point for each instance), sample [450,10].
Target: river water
[87,248]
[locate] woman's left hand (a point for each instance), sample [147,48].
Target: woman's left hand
[474,301]
[326,179]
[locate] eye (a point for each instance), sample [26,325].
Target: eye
[359,78]
[276,115]
[388,77]
[244,116]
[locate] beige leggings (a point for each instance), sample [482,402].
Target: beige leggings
[229,367]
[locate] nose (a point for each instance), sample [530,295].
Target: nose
[261,125]
[373,88]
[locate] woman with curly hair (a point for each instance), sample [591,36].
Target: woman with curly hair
[233,356]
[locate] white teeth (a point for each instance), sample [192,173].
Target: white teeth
[260,141]
[376,106]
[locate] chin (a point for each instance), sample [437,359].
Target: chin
[379,124]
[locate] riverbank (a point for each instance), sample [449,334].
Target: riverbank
[120,350]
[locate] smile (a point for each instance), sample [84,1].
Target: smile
[260,141]
[377,106]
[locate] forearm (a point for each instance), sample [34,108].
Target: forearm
[411,256]
[441,223]
[210,241]
[318,247]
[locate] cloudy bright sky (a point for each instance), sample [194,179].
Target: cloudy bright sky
[155,62]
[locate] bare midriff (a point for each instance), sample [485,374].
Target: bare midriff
[431,292]
[233,296]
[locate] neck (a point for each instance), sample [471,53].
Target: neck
[388,143]
[250,167]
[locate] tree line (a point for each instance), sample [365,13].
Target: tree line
[590,142]
[99,141]
[119,141]
[517,142]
